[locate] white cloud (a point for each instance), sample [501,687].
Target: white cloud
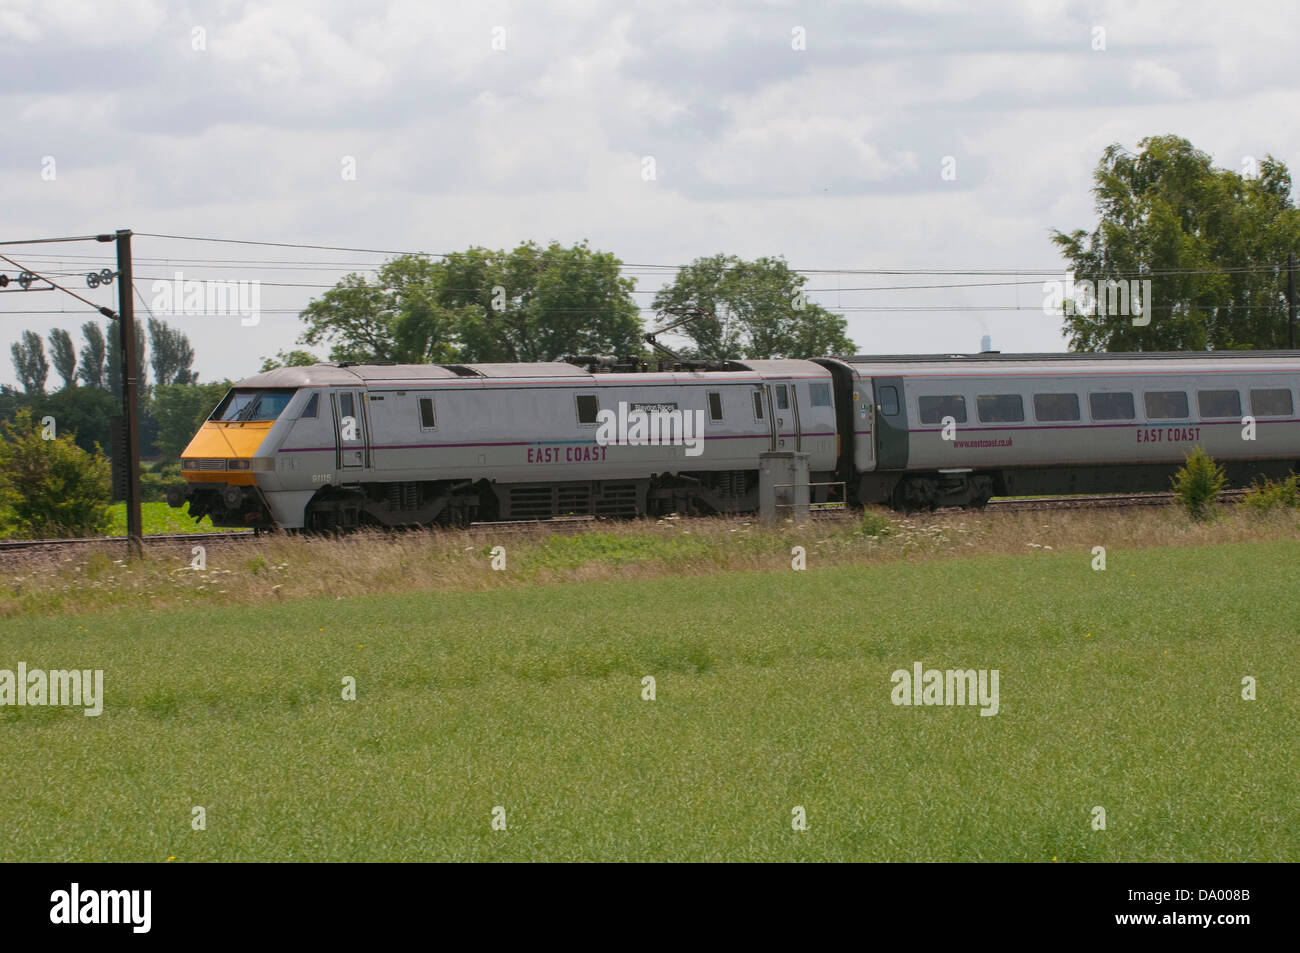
[828,156]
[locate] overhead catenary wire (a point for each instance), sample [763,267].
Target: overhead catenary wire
[107,312]
[1058,270]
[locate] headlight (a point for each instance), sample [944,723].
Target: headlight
[234,464]
[189,464]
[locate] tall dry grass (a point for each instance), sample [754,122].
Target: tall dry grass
[278,567]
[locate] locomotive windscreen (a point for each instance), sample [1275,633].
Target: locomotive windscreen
[253,404]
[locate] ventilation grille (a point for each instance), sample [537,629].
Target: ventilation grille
[617,499]
[532,502]
[571,499]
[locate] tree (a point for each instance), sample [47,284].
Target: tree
[289,359]
[50,487]
[1212,242]
[64,356]
[114,376]
[755,309]
[390,319]
[530,304]
[539,304]
[86,412]
[29,363]
[180,410]
[12,400]
[93,355]
[171,354]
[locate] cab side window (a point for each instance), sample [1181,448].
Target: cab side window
[588,409]
[428,420]
[715,405]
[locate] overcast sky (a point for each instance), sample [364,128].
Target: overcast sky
[816,131]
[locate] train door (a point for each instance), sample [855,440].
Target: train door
[350,436]
[785,422]
[891,423]
[765,412]
[863,411]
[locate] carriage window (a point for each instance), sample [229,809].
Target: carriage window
[345,405]
[1052,407]
[715,405]
[1219,403]
[820,394]
[1111,406]
[1000,408]
[427,420]
[310,409]
[758,405]
[1165,404]
[934,409]
[889,401]
[587,408]
[782,398]
[1271,403]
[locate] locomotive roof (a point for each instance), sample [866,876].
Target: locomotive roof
[345,374]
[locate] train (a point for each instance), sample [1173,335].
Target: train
[340,445]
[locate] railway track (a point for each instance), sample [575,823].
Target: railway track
[1099,501]
[572,524]
[19,545]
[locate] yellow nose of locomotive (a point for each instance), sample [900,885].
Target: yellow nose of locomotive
[223,452]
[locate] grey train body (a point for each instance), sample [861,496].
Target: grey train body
[395,445]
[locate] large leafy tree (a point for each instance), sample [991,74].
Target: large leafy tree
[755,309]
[1212,242]
[294,358]
[30,364]
[394,317]
[529,304]
[539,304]
[86,412]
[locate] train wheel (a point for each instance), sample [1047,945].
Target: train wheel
[913,494]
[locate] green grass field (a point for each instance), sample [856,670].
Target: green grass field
[1119,689]
[157,518]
